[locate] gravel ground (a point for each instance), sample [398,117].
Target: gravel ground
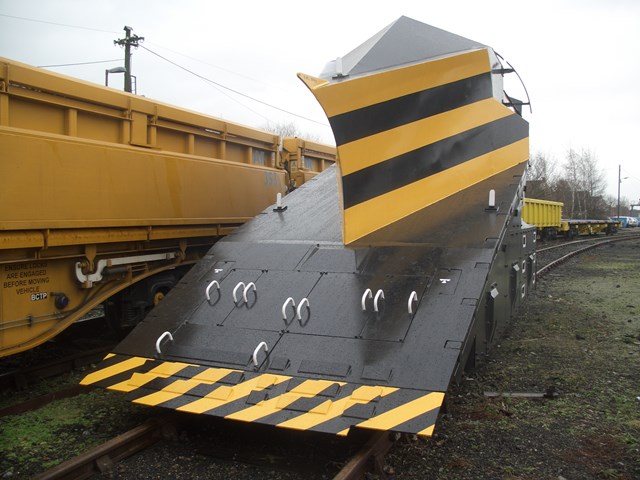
[578,335]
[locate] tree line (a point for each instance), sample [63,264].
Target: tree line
[579,183]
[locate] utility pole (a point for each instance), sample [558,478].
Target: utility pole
[619,182]
[128,42]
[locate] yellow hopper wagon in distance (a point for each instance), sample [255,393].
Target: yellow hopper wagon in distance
[355,304]
[107,198]
[546,216]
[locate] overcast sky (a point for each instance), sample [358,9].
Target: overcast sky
[579,59]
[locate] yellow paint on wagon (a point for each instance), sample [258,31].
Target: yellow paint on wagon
[307,389]
[359,92]
[403,413]
[164,370]
[223,395]
[129,364]
[180,387]
[383,210]
[361,395]
[383,146]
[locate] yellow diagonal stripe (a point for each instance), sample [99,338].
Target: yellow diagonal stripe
[179,387]
[335,409]
[307,389]
[164,370]
[383,210]
[396,416]
[129,364]
[427,432]
[377,148]
[353,94]
[236,392]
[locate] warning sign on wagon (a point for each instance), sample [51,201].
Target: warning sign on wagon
[29,278]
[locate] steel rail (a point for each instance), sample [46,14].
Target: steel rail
[544,270]
[370,458]
[622,236]
[102,458]
[21,378]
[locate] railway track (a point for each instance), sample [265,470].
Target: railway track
[251,452]
[549,257]
[158,438]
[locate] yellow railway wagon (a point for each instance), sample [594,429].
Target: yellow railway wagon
[102,190]
[546,215]
[542,213]
[304,159]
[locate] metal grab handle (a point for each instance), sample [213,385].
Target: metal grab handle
[304,301]
[284,306]
[246,289]
[379,294]
[160,338]
[235,291]
[412,298]
[255,352]
[215,282]
[367,294]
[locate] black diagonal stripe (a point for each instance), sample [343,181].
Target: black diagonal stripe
[423,162]
[383,116]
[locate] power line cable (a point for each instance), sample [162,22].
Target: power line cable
[57,24]
[81,63]
[214,66]
[173,63]
[231,89]
[215,85]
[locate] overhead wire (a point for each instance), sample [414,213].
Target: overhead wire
[212,82]
[80,63]
[231,89]
[57,24]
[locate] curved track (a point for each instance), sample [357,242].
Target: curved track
[551,256]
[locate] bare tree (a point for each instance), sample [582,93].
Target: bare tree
[541,177]
[584,186]
[572,178]
[289,129]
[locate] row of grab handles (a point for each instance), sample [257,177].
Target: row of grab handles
[368,293]
[254,356]
[246,288]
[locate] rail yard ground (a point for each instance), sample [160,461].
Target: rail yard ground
[577,338]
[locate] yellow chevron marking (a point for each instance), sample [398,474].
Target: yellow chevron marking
[310,388]
[307,389]
[366,394]
[164,370]
[107,372]
[109,355]
[177,388]
[337,408]
[267,381]
[353,94]
[322,409]
[377,148]
[383,210]
[427,432]
[396,416]
[220,393]
[238,391]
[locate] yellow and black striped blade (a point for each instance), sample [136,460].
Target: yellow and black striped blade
[411,136]
[284,401]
